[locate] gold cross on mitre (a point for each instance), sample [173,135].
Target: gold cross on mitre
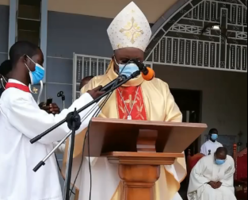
[132,30]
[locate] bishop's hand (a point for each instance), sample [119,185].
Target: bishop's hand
[95,93]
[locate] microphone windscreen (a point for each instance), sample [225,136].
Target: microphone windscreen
[150,75]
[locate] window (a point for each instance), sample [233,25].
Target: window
[29,21]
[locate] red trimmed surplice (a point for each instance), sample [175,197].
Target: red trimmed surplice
[24,88]
[128,94]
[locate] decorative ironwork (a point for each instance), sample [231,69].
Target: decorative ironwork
[84,65]
[178,42]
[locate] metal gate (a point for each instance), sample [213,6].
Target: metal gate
[178,41]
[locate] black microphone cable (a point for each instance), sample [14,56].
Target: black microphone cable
[86,137]
[60,171]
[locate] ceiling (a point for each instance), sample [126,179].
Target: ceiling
[153,9]
[4,2]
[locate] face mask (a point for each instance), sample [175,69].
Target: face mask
[127,69]
[214,136]
[219,162]
[37,75]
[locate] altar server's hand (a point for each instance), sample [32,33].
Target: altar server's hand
[51,109]
[96,92]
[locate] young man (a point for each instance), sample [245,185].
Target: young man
[212,144]
[20,120]
[129,34]
[212,177]
[5,70]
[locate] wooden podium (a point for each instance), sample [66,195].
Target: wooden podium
[140,147]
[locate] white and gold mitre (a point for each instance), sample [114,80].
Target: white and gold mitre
[130,28]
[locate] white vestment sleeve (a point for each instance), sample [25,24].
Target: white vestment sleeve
[228,179]
[31,121]
[197,178]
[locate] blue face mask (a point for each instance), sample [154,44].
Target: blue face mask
[219,162]
[214,136]
[128,69]
[37,75]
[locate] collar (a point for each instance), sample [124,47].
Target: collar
[15,81]
[12,83]
[112,75]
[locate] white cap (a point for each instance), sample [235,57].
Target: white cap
[130,28]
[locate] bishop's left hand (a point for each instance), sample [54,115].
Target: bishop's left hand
[51,109]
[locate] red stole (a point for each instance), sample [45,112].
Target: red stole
[128,95]
[17,86]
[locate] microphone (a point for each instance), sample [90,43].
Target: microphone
[113,82]
[114,87]
[147,72]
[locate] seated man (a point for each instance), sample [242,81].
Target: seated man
[212,144]
[212,178]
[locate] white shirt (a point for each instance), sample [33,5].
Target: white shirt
[209,145]
[20,120]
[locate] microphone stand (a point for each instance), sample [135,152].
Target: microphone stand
[61,94]
[73,122]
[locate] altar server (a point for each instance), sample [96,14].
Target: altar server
[20,120]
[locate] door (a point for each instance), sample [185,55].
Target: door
[189,102]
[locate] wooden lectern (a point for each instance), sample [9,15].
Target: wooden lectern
[140,147]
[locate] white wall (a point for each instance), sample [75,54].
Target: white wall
[224,101]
